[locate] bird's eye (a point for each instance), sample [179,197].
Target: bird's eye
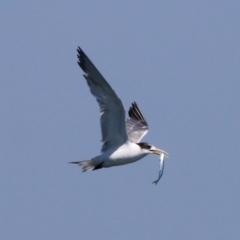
[148,147]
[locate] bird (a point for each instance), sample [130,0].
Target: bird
[121,137]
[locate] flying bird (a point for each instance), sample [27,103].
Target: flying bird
[121,138]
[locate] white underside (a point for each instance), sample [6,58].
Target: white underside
[124,154]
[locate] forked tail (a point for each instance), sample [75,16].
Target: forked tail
[88,165]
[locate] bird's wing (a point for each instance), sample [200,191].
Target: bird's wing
[136,125]
[111,108]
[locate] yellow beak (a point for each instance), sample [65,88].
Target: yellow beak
[159,152]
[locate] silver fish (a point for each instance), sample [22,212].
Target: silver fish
[161,167]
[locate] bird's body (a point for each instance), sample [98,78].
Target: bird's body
[120,137]
[119,155]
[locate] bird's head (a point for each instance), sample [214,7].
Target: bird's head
[148,148]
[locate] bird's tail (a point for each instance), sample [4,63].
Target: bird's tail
[87,165]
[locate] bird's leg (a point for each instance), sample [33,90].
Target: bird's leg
[98,166]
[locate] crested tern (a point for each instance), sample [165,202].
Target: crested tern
[120,137]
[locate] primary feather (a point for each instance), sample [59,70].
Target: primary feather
[136,125]
[111,108]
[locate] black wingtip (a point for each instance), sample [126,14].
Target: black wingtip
[132,109]
[135,113]
[134,104]
[79,50]
[81,55]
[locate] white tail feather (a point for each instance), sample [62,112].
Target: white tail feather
[86,165]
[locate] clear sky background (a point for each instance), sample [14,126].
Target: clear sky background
[179,60]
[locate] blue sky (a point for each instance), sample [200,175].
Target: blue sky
[179,60]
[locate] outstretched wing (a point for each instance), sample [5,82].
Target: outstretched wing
[136,125]
[111,108]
